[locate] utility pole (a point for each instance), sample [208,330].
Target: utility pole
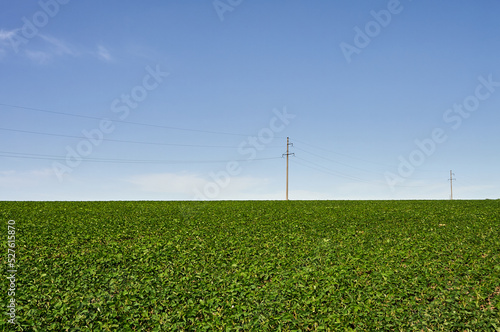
[288,144]
[451,184]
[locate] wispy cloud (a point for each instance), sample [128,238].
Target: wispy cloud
[5,40]
[38,56]
[25,179]
[49,49]
[103,53]
[186,184]
[167,182]
[58,46]
[44,48]
[7,34]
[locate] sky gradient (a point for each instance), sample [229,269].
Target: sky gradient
[170,100]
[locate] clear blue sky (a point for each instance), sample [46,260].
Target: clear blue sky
[381,99]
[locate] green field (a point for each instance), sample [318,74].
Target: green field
[254,266]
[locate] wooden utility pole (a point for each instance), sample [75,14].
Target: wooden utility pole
[288,144]
[451,185]
[287,154]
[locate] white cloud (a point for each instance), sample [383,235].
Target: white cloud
[103,53]
[475,191]
[39,56]
[40,49]
[25,179]
[57,46]
[167,182]
[5,41]
[49,49]
[7,34]
[188,184]
[44,48]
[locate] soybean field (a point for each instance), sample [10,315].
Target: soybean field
[252,266]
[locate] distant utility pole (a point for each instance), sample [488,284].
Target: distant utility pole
[288,144]
[451,184]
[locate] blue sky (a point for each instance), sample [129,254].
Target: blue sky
[171,100]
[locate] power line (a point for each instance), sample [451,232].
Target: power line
[337,162]
[338,174]
[331,172]
[120,141]
[123,121]
[316,169]
[328,171]
[343,155]
[8,154]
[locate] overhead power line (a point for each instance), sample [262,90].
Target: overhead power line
[320,168]
[337,162]
[8,154]
[343,155]
[127,122]
[121,141]
[331,172]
